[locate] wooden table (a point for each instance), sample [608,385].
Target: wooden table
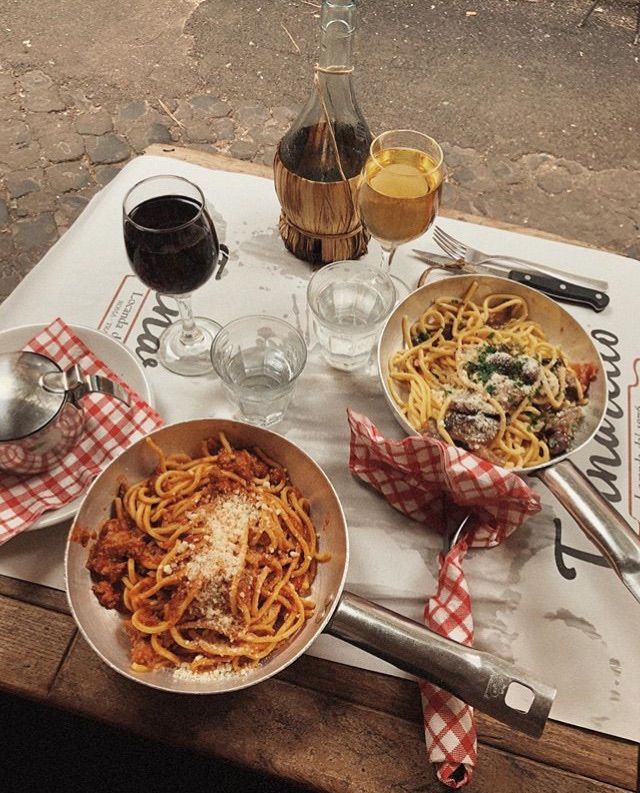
[332,727]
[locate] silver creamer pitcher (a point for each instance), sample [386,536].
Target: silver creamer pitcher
[41,415]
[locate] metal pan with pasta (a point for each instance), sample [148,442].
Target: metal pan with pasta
[470,673]
[568,342]
[477,371]
[211,559]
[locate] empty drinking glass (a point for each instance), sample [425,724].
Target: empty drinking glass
[349,301]
[258,359]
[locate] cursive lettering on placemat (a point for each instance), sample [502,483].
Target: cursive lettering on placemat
[153,325]
[561,550]
[603,465]
[129,312]
[124,308]
[633,413]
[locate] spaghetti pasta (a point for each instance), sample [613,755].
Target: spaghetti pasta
[482,375]
[211,559]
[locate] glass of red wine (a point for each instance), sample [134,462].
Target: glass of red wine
[173,247]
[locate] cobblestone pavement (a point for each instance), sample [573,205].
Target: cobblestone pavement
[56,154]
[60,144]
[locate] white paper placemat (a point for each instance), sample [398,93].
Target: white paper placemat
[542,600]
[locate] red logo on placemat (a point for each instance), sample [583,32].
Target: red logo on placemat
[124,309]
[124,318]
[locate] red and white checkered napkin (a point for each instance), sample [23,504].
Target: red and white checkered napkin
[414,475]
[110,427]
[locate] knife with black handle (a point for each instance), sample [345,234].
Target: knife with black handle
[563,291]
[557,288]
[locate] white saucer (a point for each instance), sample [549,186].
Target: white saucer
[114,354]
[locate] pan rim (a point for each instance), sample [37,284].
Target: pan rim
[239,682]
[508,285]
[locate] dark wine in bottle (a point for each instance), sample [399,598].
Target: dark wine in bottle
[319,159]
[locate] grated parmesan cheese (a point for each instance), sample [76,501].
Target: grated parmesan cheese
[505,390]
[220,672]
[216,555]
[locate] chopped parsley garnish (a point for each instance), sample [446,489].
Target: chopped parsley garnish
[481,369]
[418,338]
[498,359]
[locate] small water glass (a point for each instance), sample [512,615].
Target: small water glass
[259,359]
[350,301]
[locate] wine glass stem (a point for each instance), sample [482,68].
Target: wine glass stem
[190,332]
[387,257]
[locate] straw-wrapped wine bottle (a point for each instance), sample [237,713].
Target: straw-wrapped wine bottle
[318,161]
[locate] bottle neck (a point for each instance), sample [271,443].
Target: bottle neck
[336,50]
[338,20]
[309,147]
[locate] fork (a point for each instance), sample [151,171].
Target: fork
[458,250]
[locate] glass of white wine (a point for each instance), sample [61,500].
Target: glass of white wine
[400,186]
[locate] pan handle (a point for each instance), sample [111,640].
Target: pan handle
[599,521]
[478,678]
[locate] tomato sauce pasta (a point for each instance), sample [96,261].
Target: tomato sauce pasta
[211,559]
